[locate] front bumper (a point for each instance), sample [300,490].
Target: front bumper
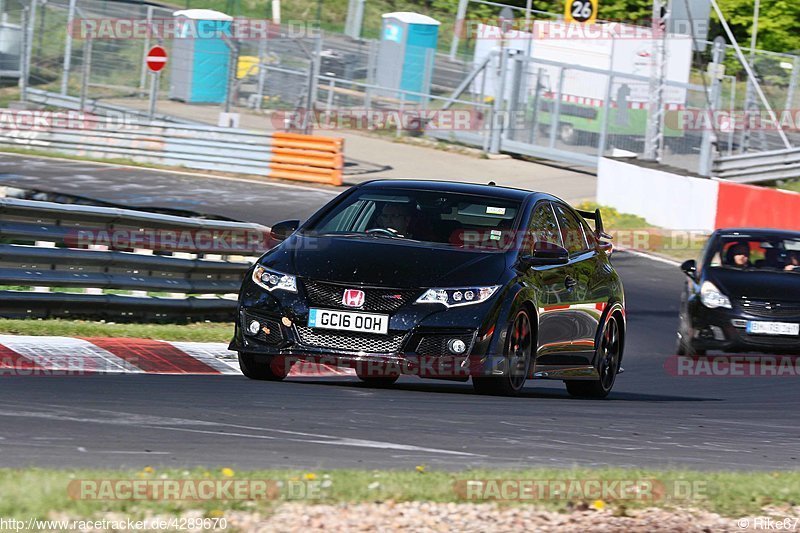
[725,330]
[417,342]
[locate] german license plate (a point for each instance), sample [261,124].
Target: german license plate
[348,321]
[772,328]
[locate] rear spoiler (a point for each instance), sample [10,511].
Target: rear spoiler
[598,223]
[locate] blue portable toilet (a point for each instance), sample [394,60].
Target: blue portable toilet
[200,58]
[407,52]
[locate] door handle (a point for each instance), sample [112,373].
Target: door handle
[570,282]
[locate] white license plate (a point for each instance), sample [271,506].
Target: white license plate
[348,321]
[773,328]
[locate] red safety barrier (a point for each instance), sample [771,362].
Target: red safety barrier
[746,206]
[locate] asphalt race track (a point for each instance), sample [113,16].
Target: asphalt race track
[651,418]
[250,199]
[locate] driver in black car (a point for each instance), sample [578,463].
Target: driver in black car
[397,217]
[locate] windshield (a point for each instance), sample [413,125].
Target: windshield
[452,219]
[751,253]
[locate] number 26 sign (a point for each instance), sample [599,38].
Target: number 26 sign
[580,11]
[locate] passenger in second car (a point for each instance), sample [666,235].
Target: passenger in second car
[794,261]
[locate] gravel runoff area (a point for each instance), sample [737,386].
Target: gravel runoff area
[442,517]
[429,517]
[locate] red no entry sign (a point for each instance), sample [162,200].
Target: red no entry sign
[156,58]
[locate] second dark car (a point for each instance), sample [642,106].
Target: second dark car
[743,294]
[447,280]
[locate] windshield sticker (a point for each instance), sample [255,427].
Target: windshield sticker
[494,235]
[495,210]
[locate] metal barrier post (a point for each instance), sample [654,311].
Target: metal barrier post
[87,70]
[313,80]
[555,115]
[143,75]
[732,111]
[399,131]
[233,67]
[68,47]
[497,110]
[262,72]
[709,134]
[24,60]
[154,79]
[331,88]
[792,84]
[535,107]
[601,145]
[509,131]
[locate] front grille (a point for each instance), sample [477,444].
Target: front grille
[275,335]
[351,342]
[375,299]
[436,345]
[771,309]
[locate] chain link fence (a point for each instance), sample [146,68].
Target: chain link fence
[548,107]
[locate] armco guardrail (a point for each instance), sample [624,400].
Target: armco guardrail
[91,105]
[759,166]
[292,156]
[100,252]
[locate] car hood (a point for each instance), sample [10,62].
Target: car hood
[755,284]
[384,262]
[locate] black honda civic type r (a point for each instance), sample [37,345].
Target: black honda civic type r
[441,280]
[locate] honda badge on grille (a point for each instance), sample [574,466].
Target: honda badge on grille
[353,298]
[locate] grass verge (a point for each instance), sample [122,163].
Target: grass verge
[790,185]
[35,492]
[634,232]
[198,331]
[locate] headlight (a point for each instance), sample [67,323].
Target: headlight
[458,296]
[712,297]
[272,279]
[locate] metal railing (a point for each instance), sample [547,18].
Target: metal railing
[186,145]
[96,106]
[758,167]
[120,264]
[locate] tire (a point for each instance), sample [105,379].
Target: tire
[607,360]
[272,371]
[518,355]
[684,344]
[686,347]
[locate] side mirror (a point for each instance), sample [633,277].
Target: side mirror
[689,268]
[543,254]
[282,230]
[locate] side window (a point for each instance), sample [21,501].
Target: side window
[571,231]
[543,225]
[591,239]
